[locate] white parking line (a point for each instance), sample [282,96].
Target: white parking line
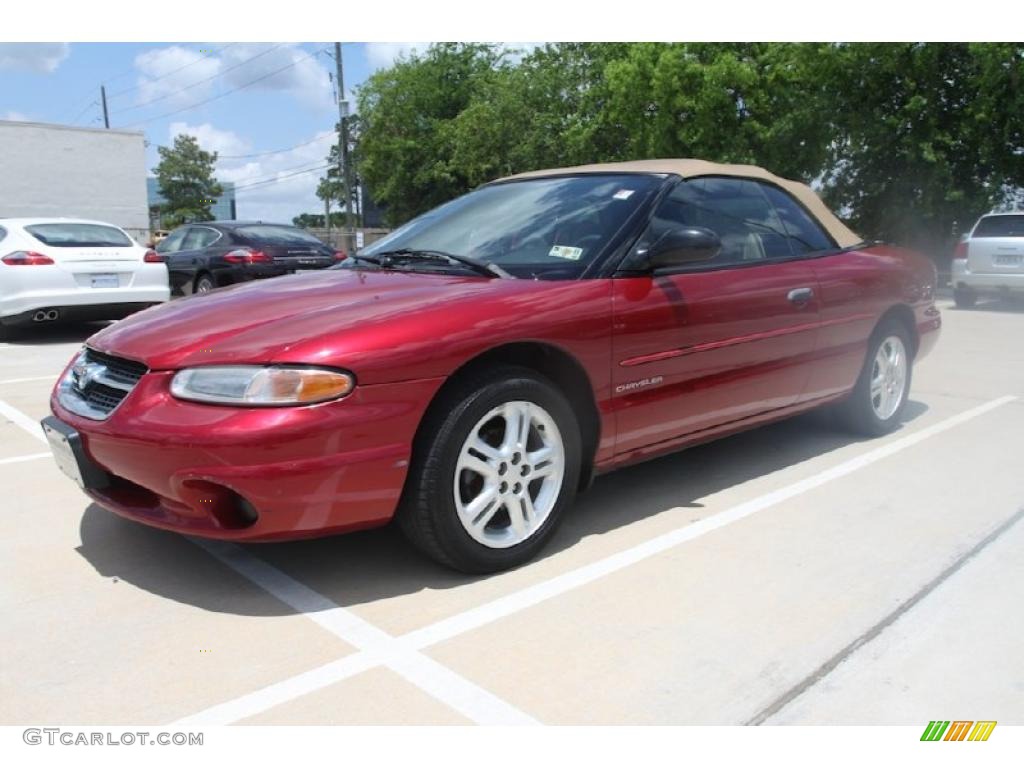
[15,416]
[27,457]
[30,378]
[467,698]
[487,613]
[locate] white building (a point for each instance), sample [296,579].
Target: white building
[59,170]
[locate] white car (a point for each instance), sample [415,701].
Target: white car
[990,260]
[52,269]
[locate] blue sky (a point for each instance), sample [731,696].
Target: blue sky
[263,97]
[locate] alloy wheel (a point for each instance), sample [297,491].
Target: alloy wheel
[888,377]
[509,474]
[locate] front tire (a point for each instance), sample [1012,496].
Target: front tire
[497,466]
[879,398]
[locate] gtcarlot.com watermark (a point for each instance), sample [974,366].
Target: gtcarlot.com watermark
[72,738]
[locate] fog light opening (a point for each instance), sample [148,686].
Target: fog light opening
[228,509]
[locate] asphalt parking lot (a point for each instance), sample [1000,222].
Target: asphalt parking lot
[792,575]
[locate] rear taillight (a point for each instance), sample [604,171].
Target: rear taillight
[960,252]
[26,258]
[152,257]
[340,255]
[247,256]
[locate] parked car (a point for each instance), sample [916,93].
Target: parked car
[212,254]
[473,370]
[74,269]
[990,259]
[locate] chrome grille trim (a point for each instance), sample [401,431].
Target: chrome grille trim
[97,383]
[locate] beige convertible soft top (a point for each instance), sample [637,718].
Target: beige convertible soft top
[688,169]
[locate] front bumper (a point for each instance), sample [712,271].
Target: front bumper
[254,474]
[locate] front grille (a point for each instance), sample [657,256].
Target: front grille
[127,371]
[103,398]
[98,382]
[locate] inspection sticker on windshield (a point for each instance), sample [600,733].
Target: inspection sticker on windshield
[566,252]
[623,194]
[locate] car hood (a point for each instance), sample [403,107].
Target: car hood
[263,321]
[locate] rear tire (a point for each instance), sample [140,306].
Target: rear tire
[495,468]
[879,398]
[204,284]
[964,298]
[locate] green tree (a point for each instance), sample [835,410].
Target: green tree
[405,150]
[751,103]
[927,136]
[331,187]
[907,141]
[185,176]
[316,220]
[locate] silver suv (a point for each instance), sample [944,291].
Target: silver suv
[990,260]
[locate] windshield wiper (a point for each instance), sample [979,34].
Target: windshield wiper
[367,259]
[487,268]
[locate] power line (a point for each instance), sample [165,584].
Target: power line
[201,82]
[92,102]
[306,164]
[275,179]
[173,71]
[226,93]
[274,151]
[282,178]
[88,106]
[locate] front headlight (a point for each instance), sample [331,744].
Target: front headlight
[260,385]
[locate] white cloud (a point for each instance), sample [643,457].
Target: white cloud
[33,57]
[382,55]
[179,76]
[165,72]
[211,139]
[278,68]
[20,117]
[294,193]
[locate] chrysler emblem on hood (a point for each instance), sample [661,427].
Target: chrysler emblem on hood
[85,374]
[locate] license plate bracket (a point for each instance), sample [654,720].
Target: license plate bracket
[69,453]
[104,280]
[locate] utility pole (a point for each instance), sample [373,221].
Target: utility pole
[327,219]
[103,98]
[343,133]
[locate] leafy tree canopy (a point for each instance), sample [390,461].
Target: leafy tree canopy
[185,176]
[906,141]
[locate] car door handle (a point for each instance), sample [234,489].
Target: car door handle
[800,296]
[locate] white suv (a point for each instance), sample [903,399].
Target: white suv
[990,260]
[54,269]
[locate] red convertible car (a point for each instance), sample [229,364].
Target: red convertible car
[472,371]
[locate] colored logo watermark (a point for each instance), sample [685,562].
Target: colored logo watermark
[958,730]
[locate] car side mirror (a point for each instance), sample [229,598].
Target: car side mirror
[682,246]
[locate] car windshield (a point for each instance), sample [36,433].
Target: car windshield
[277,235]
[550,228]
[71,235]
